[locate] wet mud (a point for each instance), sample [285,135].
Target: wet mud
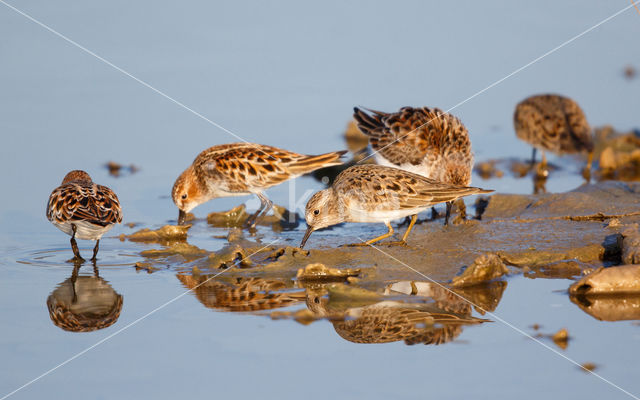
[425,292]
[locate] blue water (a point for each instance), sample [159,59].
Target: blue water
[285,74]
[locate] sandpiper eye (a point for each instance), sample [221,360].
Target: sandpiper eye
[184,196]
[316,212]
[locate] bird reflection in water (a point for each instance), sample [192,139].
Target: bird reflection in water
[241,294]
[84,303]
[430,314]
[413,312]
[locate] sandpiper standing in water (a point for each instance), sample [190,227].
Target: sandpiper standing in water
[554,123]
[240,169]
[83,210]
[425,141]
[375,193]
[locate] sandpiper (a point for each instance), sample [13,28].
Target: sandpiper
[375,193]
[554,123]
[240,169]
[83,210]
[425,141]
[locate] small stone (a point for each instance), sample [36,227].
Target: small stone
[561,338]
[164,234]
[320,272]
[588,366]
[485,268]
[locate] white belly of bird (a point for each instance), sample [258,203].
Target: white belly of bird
[423,168]
[360,215]
[84,230]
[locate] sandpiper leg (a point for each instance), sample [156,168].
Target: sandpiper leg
[95,250]
[265,206]
[251,221]
[533,158]
[403,242]
[377,239]
[74,245]
[448,214]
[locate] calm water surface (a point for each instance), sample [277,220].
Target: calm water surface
[285,74]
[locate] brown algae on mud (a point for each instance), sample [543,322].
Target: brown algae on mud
[563,235]
[165,234]
[281,218]
[320,273]
[553,235]
[485,268]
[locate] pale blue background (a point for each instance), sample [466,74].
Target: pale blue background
[284,73]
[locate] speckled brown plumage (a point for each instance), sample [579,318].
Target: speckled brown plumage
[388,322]
[239,169]
[79,199]
[252,294]
[425,141]
[375,193]
[83,209]
[554,123]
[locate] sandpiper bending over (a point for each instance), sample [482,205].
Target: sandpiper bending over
[375,193]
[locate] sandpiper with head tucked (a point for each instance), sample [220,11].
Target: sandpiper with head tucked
[425,141]
[375,193]
[83,209]
[240,169]
[554,123]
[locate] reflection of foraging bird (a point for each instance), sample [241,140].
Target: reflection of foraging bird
[392,321]
[554,123]
[252,294]
[240,169]
[374,193]
[83,209]
[425,141]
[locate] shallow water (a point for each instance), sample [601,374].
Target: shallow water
[286,75]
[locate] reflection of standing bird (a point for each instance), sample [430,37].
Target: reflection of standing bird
[84,303]
[425,141]
[240,169]
[374,193]
[554,123]
[83,209]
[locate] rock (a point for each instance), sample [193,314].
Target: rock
[321,273]
[631,245]
[561,338]
[234,235]
[613,280]
[167,233]
[588,366]
[185,250]
[145,266]
[235,217]
[485,268]
[229,257]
